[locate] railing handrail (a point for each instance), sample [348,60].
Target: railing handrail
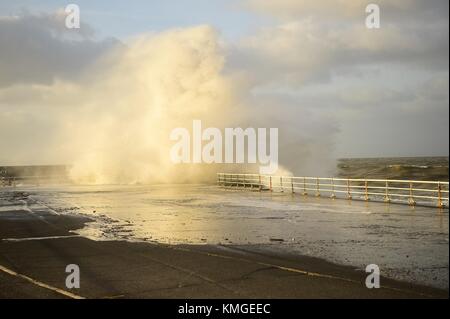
[390,188]
[342,179]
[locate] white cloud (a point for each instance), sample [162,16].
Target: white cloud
[296,52]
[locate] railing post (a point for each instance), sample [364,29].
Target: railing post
[333,195]
[270,183]
[411,200]
[349,194]
[318,187]
[260,184]
[304,186]
[366,191]
[440,204]
[292,185]
[281,184]
[386,195]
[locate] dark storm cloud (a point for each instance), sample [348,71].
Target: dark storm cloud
[39,48]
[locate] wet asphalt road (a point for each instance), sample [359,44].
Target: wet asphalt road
[119,269]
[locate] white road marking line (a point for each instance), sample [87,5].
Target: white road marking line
[40,284]
[38,238]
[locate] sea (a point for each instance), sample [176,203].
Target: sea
[410,168]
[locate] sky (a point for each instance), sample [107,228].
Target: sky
[123,19]
[337,88]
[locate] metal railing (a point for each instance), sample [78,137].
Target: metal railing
[429,193]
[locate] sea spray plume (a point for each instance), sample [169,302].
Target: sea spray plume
[156,84]
[112,121]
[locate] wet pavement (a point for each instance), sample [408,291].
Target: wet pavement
[407,243]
